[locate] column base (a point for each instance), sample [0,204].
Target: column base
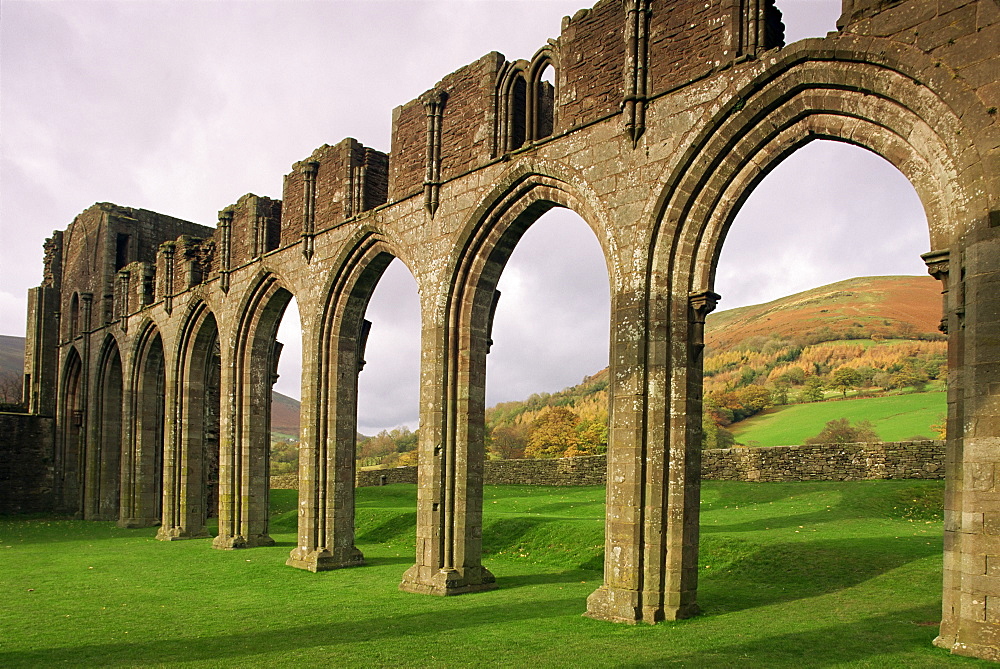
[180,533]
[136,523]
[424,580]
[324,560]
[618,605]
[239,541]
[958,647]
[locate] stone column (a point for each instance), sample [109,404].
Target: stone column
[651,527]
[326,456]
[230,392]
[450,475]
[970,622]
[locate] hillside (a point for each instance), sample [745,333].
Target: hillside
[11,355]
[881,330]
[890,307]
[284,415]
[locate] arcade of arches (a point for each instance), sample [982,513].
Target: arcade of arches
[152,340]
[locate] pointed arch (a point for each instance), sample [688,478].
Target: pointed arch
[454,383]
[541,95]
[879,105]
[245,441]
[69,454]
[142,456]
[191,464]
[327,453]
[104,449]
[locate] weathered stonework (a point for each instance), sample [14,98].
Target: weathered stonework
[151,340]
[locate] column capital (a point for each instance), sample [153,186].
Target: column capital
[937,263]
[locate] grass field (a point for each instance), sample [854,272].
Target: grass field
[792,575]
[896,418]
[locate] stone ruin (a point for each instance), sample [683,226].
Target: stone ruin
[151,342]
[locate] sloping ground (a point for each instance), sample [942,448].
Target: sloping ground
[890,306]
[284,415]
[896,418]
[11,355]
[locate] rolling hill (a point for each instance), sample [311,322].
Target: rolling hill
[891,307]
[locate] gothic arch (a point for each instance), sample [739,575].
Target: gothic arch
[512,108]
[451,446]
[327,455]
[244,471]
[142,453]
[191,460]
[541,96]
[72,417]
[804,96]
[104,446]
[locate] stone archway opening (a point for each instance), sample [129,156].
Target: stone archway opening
[286,395]
[69,448]
[347,339]
[104,449]
[555,274]
[244,461]
[389,372]
[799,229]
[547,391]
[191,471]
[142,462]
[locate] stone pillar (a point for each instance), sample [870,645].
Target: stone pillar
[450,474]
[172,525]
[970,622]
[229,475]
[651,527]
[244,482]
[326,456]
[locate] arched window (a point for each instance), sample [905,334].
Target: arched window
[73,327]
[542,101]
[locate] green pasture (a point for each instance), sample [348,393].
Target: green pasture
[896,418]
[817,574]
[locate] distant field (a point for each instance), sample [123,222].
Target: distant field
[896,417]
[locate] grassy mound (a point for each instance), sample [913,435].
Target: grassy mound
[791,575]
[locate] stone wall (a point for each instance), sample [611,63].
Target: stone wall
[826,462]
[25,468]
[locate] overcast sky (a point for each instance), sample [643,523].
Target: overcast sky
[182,107]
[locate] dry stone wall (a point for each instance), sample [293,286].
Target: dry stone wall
[826,462]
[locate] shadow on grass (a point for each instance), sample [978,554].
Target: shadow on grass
[898,632]
[524,580]
[229,648]
[402,524]
[47,529]
[736,574]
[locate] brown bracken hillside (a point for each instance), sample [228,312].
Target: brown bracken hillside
[891,307]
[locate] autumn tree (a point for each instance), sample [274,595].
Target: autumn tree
[507,442]
[840,431]
[553,433]
[813,391]
[845,378]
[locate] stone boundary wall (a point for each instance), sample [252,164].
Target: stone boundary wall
[25,468]
[825,462]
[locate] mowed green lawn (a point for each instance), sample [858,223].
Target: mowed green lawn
[896,418]
[812,574]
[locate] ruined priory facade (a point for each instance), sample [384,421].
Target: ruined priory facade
[151,340]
